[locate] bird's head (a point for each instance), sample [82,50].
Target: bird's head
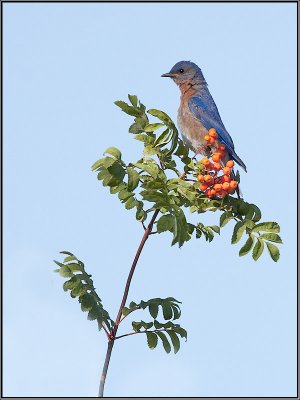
[185,71]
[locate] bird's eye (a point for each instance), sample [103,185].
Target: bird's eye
[181,70]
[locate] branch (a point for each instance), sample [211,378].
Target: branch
[105,330]
[134,333]
[125,295]
[128,334]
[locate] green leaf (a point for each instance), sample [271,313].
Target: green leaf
[103,162]
[65,272]
[175,340]
[66,252]
[118,188]
[153,310]
[59,264]
[117,172]
[124,194]
[146,139]
[136,326]
[257,212]
[174,142]
[273,237]
[215,228]
[153,127]
[133,178]
[141,215]
[147,325]
[267,227]
[130,203]
[151,169]
[182,332]
[105,176]
[70,258]
[164,138]
[181,228]
[167,311]
[238,232]
[162,116]
[151,340]
[138,125]
[165,223]
[75,267]
[126,311]
[242,207]
[150,150]
[127,109]
[70,284]
[176,312]
[274,251]
[225,218]
[133,100]
[164,340]
[113,151]
[247,246]
[258,249]
[88,301]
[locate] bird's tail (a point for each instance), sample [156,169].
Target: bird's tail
[236,158]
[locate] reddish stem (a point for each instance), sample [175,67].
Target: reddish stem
[112,337]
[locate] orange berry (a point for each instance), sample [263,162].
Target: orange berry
[226,170]
[206,137]
[212,132]
[216,157]
[222,147]
[211,140]
[203,186]
[225,186]
[217,166]
[217,187]
[221,154]
[213,192]
[230,163]
[208,193]
[233,184]
[205,161]
[200,178]
[209,179]
[226,178]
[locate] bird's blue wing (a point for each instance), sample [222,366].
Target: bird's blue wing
[207,113]
[205,110]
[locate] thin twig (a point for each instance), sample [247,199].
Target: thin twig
[128,334]
[105,330]
[134,333]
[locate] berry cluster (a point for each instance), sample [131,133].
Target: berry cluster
[210,183]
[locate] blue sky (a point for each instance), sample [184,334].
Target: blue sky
[64,65]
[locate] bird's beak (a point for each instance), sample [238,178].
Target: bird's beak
[168,75]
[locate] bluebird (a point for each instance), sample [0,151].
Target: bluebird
[198,112]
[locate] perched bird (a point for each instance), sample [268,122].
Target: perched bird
[198,112]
